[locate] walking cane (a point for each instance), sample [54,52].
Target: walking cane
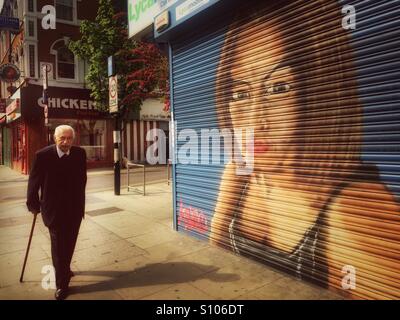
[27,249]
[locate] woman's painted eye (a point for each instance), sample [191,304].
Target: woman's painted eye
[240,95]
[279,87]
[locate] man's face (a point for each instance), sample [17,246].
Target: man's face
[64,140]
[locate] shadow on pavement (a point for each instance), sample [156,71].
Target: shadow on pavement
[153,274]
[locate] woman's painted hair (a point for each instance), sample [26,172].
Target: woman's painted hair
[317,48]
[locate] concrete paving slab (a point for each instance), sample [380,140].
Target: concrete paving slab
[133,229]
[15,259]
[14,232]
[156,277]
[26,291]
[182,291]
[93,240]
[90,258]
[33,272]
[166,222]
[103,211]
[154,238]
[289,288]
[218,257]
[14,210]
[120,267]
[89,225]
[95,206]
[121,219]
[173,249]
[99,291]
[242,284]
[18,244]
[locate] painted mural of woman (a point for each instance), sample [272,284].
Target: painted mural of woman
[311,205]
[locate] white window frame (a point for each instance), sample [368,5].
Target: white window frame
[26,28]
[3,44]
[27,59]
[34,6]
[74,14]
[55,53]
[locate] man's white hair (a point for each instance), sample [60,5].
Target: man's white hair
[61,128]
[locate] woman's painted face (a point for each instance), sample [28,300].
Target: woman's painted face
[263,97]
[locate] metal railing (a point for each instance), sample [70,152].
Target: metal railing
[169,171]
[133,165]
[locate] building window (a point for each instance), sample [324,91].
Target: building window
[65,9]
[31,28]
[31,61]
[31,6]
[65,63]
[3,45]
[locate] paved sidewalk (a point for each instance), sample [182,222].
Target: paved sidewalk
[9,175]
[127,249]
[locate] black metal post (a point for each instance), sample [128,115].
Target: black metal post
[45,100]
[117,165]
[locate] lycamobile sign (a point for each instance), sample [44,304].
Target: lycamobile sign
[141,13]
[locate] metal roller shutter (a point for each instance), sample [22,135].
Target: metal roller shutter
[322,198]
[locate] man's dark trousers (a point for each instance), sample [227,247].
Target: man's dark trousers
[63,240]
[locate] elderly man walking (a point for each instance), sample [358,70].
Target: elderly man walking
[59,172]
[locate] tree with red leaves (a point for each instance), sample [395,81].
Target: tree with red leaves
[149,75]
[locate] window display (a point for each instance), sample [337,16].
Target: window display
[90,135]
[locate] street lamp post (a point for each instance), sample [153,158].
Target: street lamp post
[45,99]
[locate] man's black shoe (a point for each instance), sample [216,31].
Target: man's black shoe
[61,294]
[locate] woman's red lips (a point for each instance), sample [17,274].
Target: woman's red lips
[260,146]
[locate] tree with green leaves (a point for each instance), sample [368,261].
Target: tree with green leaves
[101,38]
[141,66]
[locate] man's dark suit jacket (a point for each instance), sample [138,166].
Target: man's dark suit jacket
[62,184]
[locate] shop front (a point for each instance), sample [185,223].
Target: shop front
[74,107]
[314,189]
[135,134]
[13,135]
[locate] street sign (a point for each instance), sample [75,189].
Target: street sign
[45,70]
[49,67]
[162,21]
[113,94]
[141,13]
[9,73]
[9,23]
